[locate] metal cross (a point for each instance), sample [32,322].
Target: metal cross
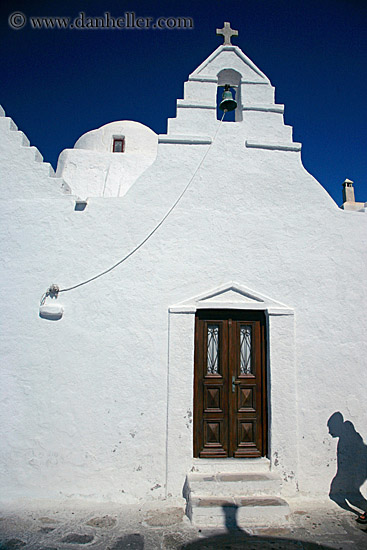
[227,33]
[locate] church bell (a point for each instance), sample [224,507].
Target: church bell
[227,103]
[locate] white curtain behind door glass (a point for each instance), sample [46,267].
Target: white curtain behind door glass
[212,349]
[245,349]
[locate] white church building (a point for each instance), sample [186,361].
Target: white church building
[179,308]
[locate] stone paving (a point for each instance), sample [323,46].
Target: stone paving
[164,526]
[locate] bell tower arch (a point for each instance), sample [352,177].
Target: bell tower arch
[233,79]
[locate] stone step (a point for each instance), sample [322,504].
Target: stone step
[224,484]
[237,511]
[12,133]
[215,466]
[8,123]
[36,154]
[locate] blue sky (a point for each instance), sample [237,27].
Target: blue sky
[58,84]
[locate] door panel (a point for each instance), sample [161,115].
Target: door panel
[212,388]
[229,384]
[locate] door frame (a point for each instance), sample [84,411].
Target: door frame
[281,381]
[228,403]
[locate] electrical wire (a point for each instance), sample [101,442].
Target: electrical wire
[54,290]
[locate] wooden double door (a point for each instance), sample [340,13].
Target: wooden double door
[230,410]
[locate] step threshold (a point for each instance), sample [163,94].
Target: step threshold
[237,502]
[222,465]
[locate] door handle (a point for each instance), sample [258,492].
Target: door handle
[234,383]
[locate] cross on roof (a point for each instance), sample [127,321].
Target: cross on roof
[227,33]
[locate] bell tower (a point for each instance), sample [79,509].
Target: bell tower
[247,91]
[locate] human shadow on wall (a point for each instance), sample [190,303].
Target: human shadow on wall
[345,488]
[235,537]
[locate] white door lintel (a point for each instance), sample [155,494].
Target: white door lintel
[231,296]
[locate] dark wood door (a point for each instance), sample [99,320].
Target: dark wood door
[230,384]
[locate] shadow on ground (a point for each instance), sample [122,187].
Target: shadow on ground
[236,538]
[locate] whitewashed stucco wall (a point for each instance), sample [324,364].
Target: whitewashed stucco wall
[85,399]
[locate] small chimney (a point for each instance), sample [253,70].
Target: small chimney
[348,191]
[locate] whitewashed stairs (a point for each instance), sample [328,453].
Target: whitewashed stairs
[235,499]
[45,182]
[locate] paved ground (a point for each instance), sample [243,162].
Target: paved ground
[114,527]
